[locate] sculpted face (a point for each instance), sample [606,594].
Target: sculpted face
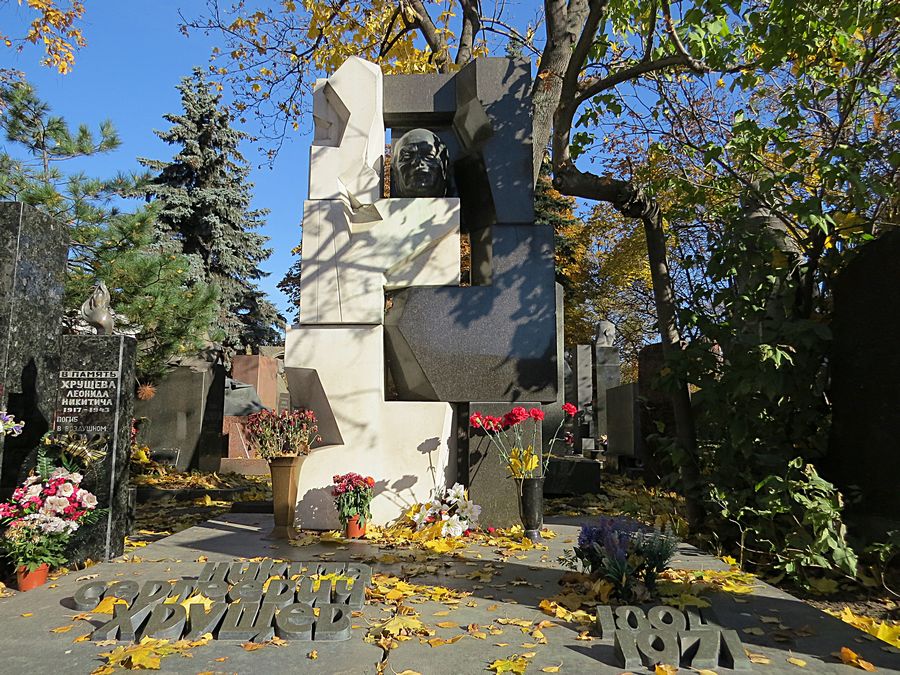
[422,164]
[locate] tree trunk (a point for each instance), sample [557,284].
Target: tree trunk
[634,203]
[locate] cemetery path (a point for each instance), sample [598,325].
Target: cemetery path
[463,611]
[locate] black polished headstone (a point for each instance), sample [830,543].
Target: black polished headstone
[33,250]
[96,399]
[485,473]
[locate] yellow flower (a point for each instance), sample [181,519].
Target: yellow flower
[522,463]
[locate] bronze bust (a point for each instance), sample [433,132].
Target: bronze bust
[422,165]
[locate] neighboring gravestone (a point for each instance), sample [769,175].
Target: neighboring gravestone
[33,250]
[96,386]
[185,416]
[584,397]
[607,374]
[657,415]
[865,377]
[261,372]
[483,470]
[623,423]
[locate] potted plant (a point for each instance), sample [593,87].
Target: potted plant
[353,495]
[42,515]
[283,440]
[515,435]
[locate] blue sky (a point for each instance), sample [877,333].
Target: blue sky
[127,73]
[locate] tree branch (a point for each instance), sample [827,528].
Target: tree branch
[433,38]
[471,24]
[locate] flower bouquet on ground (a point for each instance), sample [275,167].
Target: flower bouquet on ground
[353,496]
[626,554]
[450,513]
[517,439]
[41,517]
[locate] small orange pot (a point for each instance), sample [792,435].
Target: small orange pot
[354,529]
[28,581]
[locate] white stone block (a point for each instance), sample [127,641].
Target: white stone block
[407,447]
[347,152]
[347,265]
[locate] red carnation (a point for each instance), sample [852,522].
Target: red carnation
[569,409]
[536,414]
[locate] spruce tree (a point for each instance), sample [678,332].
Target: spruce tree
[157,293]
[204,198]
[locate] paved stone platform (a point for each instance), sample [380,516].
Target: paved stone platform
[512,589]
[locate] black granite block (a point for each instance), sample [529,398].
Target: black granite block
[503,89]
[488,343]
[96,398]
[184,418]
[33,250]
[865,378]
[419,100]
[484,472]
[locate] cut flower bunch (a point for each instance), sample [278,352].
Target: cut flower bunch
[289,433]
[516,437]
[450,511]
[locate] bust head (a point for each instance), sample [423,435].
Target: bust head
[421,165]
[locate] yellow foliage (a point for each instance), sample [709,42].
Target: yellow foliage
[522,463]
[53,27]
[889,631]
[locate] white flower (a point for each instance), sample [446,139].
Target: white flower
[452,527]
[75,477]
[87,499]
[65,490]
[33,491]
[57,504]
[469,511]
[59,472]
[456,493]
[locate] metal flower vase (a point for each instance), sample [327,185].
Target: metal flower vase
[531,506]
[285,479]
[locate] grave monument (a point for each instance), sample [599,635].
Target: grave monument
[390,351]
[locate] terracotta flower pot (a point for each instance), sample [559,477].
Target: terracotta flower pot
[285,478]
[28,581]
[354,529]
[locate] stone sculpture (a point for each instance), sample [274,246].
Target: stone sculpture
[606,334]
[422,165]
[95,309]
[389,348]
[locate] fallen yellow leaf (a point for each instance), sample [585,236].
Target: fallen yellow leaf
[63,629]
[551,669]
[665,669]
[851,658]
[105,606]
[793,660]
[313,655]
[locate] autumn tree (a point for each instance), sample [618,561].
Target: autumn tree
[204,202]
[52,24]
[156,294]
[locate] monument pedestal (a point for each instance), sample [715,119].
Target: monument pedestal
[96,398]
[484,472]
